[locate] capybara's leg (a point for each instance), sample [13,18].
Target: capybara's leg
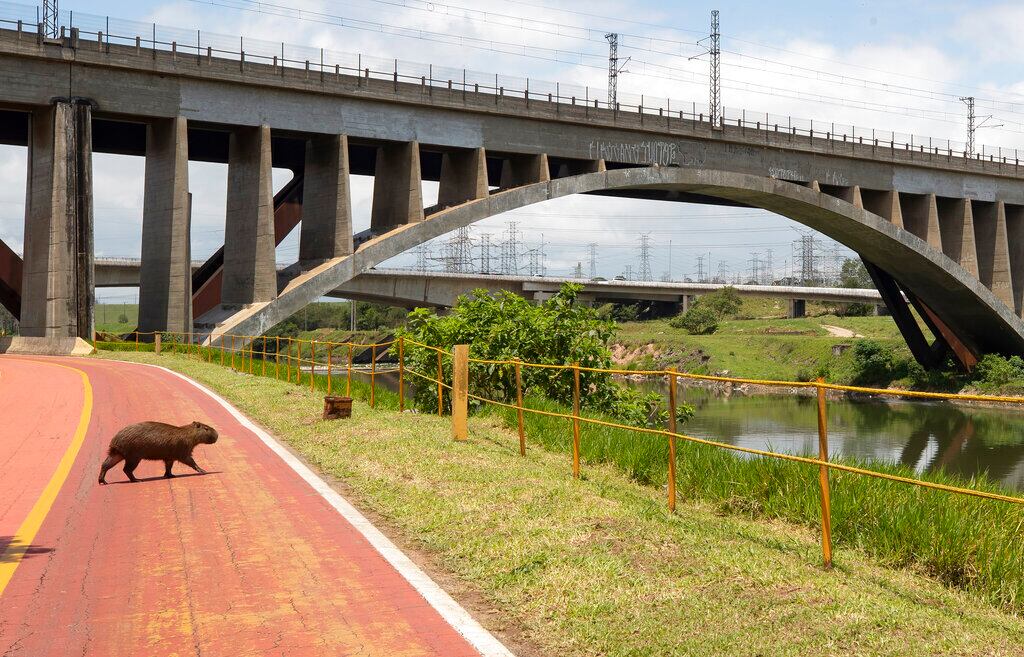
[129,468]
[111,461]
[191,462]
[168,463]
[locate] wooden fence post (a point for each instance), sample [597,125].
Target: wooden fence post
[401,375]
[252,354]
[576,421]
[460,391]
[672,440]
[232,351]
[519,408]
[348,382]
[826,506]
[263,363]
[312,363]
[288,362]
[277,357]
[440,386]
[156,343]
[330,352]
[373,374]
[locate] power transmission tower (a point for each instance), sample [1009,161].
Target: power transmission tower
[723,272]
[806,258]
[715,104]
[578,272]
[645,257]
[510,250]
[769,270]
[969,149]
[534,259]
[51,19]
[593,260]
[543,257]
[973,125]
[700,269]
[458,258]
[629,273]
[485,253]
[614,68]
[422,257]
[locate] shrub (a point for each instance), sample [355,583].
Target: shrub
[506,327]
[994,370]
[700,319]
[725,302]
[877,364]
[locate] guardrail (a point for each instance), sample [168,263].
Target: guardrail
[241,354]
[198,45]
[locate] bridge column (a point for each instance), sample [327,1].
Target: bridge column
[165,273]
[1015,238]
[326,201]
[250,273]
[57,297]
[884,204]
[956,223]
[921,217]
[397,187]
[520,170]
[993,249]
[797,308]
[463,177]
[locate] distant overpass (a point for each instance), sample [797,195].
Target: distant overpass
[409,289]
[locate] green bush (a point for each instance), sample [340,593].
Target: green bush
[507,327]
[994,370]
[700,319]
[878,364]
[725,302]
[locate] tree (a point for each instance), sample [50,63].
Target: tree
[855,275]
[700,319]
[504,327]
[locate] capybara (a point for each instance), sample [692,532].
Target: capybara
[156,441]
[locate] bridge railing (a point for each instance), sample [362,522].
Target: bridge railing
[324,63]
[316,363]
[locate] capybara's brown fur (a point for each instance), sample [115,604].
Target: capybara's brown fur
[156,441]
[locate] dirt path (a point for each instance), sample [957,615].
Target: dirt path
[840,332]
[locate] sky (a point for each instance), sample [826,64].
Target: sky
[876,65]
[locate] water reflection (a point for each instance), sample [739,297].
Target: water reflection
[925,436]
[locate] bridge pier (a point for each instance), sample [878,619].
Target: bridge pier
[524,170]
[956,224]
[885,204]
[165,273]
[1015,237]
[463,177]
[397,187]
[797,308]
[250,272]
[57,298]
[993,250]
[921,217]
[326,201]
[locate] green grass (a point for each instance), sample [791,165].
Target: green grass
[598,566]
[108,315]
[785,349]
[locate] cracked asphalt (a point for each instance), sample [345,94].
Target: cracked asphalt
[246,560]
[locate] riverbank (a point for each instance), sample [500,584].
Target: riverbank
[598,566]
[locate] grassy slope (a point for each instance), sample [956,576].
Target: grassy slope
[598,567]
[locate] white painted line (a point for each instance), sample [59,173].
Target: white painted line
[450,610]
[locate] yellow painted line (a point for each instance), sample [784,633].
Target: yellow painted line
[22,539]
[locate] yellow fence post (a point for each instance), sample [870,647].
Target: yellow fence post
[277,357]
[288,362]
[460,391]
[440,385]
[672,440]
[330,351]
[263,358]
[156,344]
[519,408]
[576,421]
[826,506]
[312,363]
[221,347]
[136,341]
[232,351]
[252,353]
[348,381]
[373,374]
[401,375]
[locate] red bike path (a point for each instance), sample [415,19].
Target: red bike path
[250,559]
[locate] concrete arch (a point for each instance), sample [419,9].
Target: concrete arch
[972,311]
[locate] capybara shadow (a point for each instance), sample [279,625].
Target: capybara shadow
[156,441]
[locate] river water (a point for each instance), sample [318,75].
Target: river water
[923,435]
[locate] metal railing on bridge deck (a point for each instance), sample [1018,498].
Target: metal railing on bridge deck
[262,356]
[325,63]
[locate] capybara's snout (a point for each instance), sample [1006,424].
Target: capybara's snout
[209,434]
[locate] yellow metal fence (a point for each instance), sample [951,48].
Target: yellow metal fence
[246,353]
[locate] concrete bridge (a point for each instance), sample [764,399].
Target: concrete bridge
[413,289]
[941,233]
